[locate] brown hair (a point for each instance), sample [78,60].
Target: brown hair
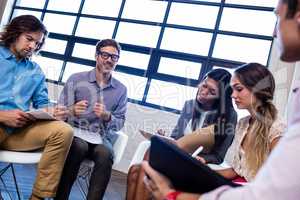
[22,24]
[293,7]
[260,81]
[107,42]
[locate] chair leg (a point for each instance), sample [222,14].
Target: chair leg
[15,180]
[5,188]
[2,171]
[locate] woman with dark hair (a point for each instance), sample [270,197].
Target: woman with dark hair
[210,117]
[255,136]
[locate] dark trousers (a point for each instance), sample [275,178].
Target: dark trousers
[102,156]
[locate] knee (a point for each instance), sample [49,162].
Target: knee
[62,131]
[103,156]
[133,173]
[79,148]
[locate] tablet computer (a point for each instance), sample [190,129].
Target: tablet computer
[185,172]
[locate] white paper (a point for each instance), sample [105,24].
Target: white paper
[40,114]
[91,137]
[148,135]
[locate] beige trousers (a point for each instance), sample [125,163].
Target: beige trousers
[201,137]
[55,138]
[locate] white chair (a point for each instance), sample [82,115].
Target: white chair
[140,152]
[14,157]
[87,165]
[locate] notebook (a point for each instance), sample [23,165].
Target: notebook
[185,172]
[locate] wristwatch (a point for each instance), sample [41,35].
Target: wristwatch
[172,195]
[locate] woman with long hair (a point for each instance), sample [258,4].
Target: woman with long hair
[256,135]
[210,117]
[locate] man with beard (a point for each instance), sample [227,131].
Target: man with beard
[22,85]
[97,103]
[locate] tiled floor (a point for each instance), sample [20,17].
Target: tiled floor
[26,175]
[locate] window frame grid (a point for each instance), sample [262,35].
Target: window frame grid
[156,53]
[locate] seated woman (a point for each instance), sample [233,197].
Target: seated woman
[256,135]
[211,109]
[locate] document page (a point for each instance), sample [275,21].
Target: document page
[40,114]
[91,137]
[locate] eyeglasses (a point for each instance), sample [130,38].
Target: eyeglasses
[105,55]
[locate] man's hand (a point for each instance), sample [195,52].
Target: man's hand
[101,112]
[15,118]
[59,112]
[158,184]
[80,107]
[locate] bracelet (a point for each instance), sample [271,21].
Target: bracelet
[172,195]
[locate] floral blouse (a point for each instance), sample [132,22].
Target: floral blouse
[235,156]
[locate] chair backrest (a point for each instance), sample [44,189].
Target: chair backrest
[140,152]
[119,146]
[20,157]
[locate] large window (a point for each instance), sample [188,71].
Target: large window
[167,46]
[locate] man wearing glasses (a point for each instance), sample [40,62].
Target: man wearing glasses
[97,103]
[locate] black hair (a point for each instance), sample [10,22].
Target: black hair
[223,104]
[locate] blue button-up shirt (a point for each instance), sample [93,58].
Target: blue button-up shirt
[83,86]
[22,84]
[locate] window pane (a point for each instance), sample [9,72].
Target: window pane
[18,12]
[31,3]
[231,71]
[218,1]
[84,51]
[102,7]
[193,15]
[242,49]
[186,41]
[50,67]
[65,5]
[135,84]
[51,22]
[102,29]
[267,3]
[55,45]
[180,68]
[245,21]
[72,68]
[143,35]
[145,10]
[133,59]
[169,95]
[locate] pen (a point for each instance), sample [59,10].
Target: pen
[197,151]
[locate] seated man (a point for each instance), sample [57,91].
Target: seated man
[98,105]
[23,85]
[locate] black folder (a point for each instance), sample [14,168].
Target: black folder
[185,172]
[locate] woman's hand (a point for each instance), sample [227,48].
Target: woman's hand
[161,132]
[201,159]
[158,184]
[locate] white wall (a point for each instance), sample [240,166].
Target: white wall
[283,73]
